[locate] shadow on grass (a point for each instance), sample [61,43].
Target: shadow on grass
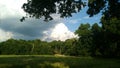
[31,62]
[41,65]
[57,62]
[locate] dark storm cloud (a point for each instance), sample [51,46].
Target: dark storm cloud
[29,29]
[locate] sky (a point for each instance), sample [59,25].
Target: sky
[30,29]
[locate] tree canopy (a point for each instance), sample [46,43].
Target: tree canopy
[45,8]
[110,8]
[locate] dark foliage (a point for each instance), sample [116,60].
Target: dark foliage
[110,8]
[44,8]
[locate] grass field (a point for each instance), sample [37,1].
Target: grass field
[49,61]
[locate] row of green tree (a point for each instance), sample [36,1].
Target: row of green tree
[95,40]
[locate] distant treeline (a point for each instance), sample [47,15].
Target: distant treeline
[95,40]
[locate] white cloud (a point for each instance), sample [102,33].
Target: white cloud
[60,32]
[4,35]
[11,8]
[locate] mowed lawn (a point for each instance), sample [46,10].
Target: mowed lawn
[49,61]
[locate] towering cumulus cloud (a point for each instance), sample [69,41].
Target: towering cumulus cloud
[60,32]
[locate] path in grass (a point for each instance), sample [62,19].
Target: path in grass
[48,61]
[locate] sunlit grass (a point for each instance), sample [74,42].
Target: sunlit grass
[51,61]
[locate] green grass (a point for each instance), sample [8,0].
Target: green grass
[49,61]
